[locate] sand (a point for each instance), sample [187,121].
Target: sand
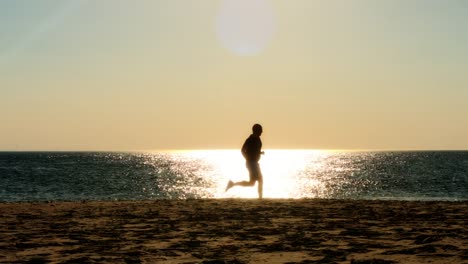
[234,231]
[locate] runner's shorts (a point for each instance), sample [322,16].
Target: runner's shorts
[254,170]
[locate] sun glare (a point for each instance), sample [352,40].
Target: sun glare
[280,169]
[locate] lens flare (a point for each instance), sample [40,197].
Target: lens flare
[245,26]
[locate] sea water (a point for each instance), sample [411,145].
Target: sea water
[74,176]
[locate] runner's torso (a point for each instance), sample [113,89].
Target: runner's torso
[252,148]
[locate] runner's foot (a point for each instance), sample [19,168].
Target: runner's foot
[229,185]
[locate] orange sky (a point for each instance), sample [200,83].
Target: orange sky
[176,74]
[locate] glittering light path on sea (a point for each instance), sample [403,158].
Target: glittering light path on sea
[325,174]
[282,171]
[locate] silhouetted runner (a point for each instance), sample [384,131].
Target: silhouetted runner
[251,150]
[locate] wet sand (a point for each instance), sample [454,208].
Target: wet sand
[235,231]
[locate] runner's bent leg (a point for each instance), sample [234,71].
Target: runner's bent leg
[245,183]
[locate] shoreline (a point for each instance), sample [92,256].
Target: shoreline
[304,199]
[234,231]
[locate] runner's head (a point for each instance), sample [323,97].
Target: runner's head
[257,129]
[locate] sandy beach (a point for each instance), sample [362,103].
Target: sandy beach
[234,231]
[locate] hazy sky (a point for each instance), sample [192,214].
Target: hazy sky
[184,74]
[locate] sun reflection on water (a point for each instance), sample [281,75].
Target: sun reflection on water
[281,171]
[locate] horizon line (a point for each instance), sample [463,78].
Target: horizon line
[232,149]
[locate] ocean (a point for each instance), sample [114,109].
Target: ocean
[77,176]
